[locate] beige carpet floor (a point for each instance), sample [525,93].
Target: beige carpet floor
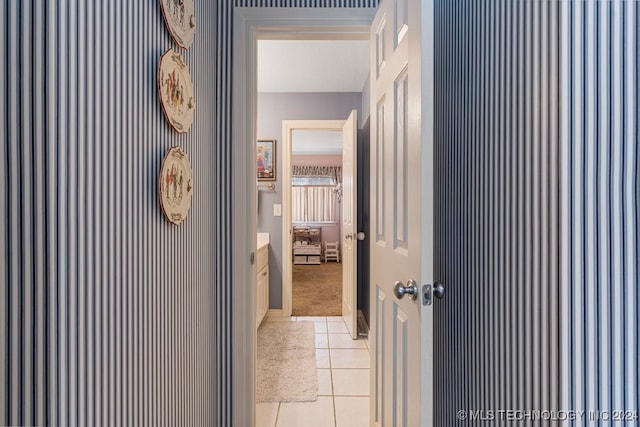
[317,290]
[286,370]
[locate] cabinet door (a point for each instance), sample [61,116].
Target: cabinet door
[262,290]
[265,291]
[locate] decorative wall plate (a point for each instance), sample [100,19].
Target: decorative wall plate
[176,185]
[176,90]
[180,19]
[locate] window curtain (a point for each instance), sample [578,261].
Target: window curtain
[313,204]
[335,172]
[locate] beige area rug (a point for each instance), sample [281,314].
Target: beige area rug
[286,370]
[317,290]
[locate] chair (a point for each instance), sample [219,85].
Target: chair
[331,251]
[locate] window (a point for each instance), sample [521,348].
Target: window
[312,180]
[313,203]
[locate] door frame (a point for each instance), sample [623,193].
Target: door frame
[249,25]
[288,126]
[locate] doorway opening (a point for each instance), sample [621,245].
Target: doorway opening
[313,219]
[303,242]
[251,25]
[314,85]
[315,194]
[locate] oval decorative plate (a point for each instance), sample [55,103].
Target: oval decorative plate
[176,185]
[180,19]
[176,90]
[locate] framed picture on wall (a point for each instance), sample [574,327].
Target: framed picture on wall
[266,159]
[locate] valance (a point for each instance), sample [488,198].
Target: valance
[334,172]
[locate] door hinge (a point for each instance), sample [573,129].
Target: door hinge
[427,297]
[252,258]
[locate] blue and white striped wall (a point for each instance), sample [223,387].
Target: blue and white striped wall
[538,181]
[107,312]
[600,223]
[109,315]
[497,147]
[308,3]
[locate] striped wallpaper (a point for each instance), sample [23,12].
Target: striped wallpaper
[107,311]
[109,315]
[497,148]
[537,146]
[222,221]
[307,3]
[600,183]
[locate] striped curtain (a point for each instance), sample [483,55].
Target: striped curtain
[334,172]
[313,204]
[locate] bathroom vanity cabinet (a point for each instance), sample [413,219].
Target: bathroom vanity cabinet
[262,300]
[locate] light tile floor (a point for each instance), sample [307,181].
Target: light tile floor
[343,382]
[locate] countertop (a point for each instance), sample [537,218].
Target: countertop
[263,239]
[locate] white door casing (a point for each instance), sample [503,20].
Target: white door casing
[288,126]
[349,224]
[249,25]
[401,212]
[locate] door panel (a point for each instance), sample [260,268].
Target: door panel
[379,179]
[380,45]
[378,341]
[349,224]
[402,19]
[400,364]
[403,218]
[400,203]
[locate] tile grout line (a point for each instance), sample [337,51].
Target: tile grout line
[278,414]
[333,389]
[328,349]
[351,395]
[335,415]
[350,369]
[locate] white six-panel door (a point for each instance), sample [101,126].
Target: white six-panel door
[401,213]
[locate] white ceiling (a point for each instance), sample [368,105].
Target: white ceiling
[312,65]
[316,142]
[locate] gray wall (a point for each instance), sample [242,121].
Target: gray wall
[273,108]
[537,206]
[107,311]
